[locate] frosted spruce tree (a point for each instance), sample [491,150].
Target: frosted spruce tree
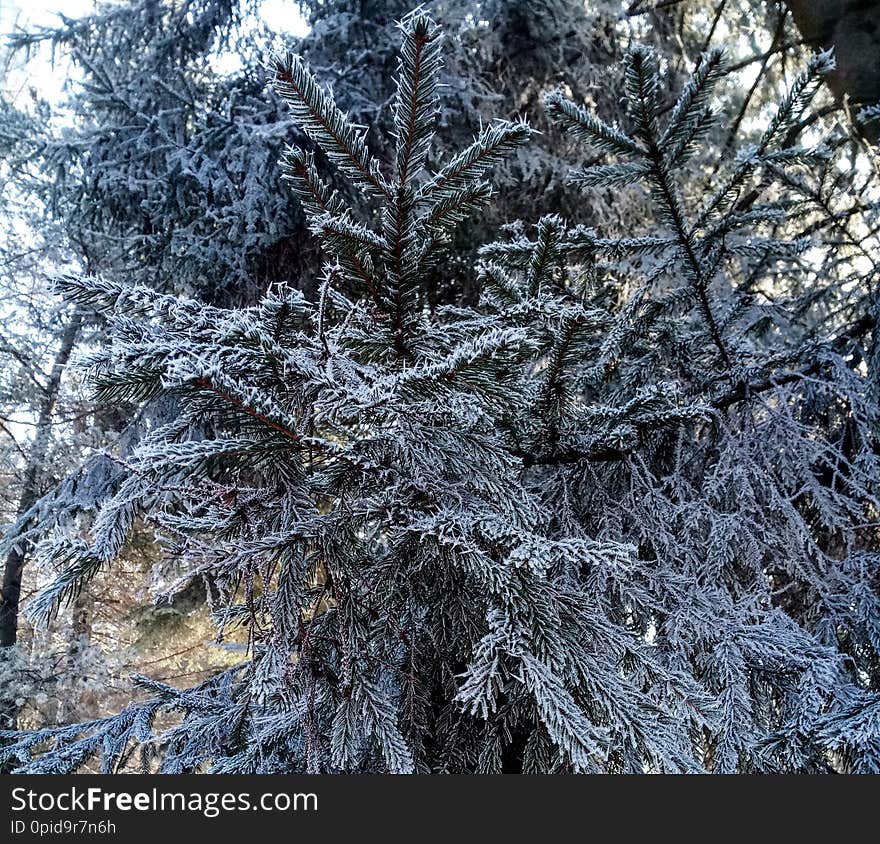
[619,515]
[161,166]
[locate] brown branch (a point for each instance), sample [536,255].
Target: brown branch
[303,173]
[285,76]
[684,235]
[432,186]
[204,383]
[403,176]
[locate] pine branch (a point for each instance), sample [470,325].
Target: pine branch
[205,384]
[454,208]
[341,235]
[669,200]
[79,564]
[331,220]
[741,392]
[402,260]
[546,253]
[611,175]
[642,86]
[694,97]
[316,197]
[416,106]
[326,125]
[491,146]
[798,99]
[585,126]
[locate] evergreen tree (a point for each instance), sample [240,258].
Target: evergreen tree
[619,514]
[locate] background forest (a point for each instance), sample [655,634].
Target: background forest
[626,357]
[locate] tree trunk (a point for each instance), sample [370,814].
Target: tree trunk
[852,28]
[17,557]
[76,702]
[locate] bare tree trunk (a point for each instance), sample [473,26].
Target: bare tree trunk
[852,28]
[82,611]
[17,557]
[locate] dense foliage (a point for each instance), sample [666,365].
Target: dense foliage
[608,502]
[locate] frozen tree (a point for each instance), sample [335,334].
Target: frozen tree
[155,166]
[160,164]
[163,170]
[36,340]
[619,513]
